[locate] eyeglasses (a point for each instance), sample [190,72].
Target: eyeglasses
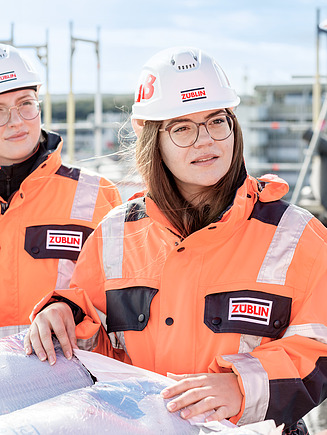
[28,110]
[186,133]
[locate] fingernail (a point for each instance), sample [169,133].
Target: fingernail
[52,360]
[185,413]
[42,356]
[27,350]
[68,355]
[171,406]
[164,393]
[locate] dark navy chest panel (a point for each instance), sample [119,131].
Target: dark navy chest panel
[128,309]
[136,210]
[269,212]
[69,172]
[56,241]
[247,312]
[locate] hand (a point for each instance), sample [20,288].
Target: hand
[57,318]
[200,393]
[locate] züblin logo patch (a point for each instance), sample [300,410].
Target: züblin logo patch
[64,240]
[193,94]
[7,76]
[251,310]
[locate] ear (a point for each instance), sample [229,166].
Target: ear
[138,125]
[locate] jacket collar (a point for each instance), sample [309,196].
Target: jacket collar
[267,188]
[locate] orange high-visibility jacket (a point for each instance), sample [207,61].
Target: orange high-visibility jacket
[42,232]
[246,293]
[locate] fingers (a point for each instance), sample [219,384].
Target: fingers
[185,382]
[40,338]
[27,344]
[197,394]
[194,401]
[58,319]
[219,414]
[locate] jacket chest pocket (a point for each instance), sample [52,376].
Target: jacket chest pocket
[247,312]
[56,241]
[128,309]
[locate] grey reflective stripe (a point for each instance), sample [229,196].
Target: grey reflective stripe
[248,343]
[85,197]
[316,331]
[113,242]
[118,340]
[64,274]
[256,386]
[281,250]
[11,330]
[89,343]
[102,317]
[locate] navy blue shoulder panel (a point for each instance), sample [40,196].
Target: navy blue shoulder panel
[66,171]
[135,210]
[269,212]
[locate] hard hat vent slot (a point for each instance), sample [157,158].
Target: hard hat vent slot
[184,61]
[3,53]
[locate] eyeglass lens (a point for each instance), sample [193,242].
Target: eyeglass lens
[185,133]
[28,110]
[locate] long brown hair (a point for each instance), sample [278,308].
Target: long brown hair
[185,217]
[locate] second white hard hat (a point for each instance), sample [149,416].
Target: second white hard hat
[16,71]
[181,80]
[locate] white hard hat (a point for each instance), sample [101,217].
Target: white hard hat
[181,80]
[15,70]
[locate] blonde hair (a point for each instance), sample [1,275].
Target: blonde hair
[162,188]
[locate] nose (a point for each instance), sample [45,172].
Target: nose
[14,117]
[204,137]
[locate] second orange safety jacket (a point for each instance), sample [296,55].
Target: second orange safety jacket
[246,293]
[43,227]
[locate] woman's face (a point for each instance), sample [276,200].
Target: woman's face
[198,166]
[19,137]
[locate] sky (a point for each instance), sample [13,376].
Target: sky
[255,41]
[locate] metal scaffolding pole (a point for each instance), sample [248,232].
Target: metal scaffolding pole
[71,101]
[11,40]
[316,92]
[312,146]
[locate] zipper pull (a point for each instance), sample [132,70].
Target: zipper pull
[4,207]
[8,179]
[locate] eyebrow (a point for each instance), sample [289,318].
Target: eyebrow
[20,99]
[173,121]
[27,97]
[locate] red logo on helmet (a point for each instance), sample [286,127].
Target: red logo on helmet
[146,90]
[193,94]
[8,76]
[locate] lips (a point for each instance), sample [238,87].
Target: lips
[17,136]
[205,159]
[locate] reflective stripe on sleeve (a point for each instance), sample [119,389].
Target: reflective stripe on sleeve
[11,330]
[281,250]
[65,271]
[248,343]
[256,386]
[88,344]
[85,197]
[113,242]
[316,331]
